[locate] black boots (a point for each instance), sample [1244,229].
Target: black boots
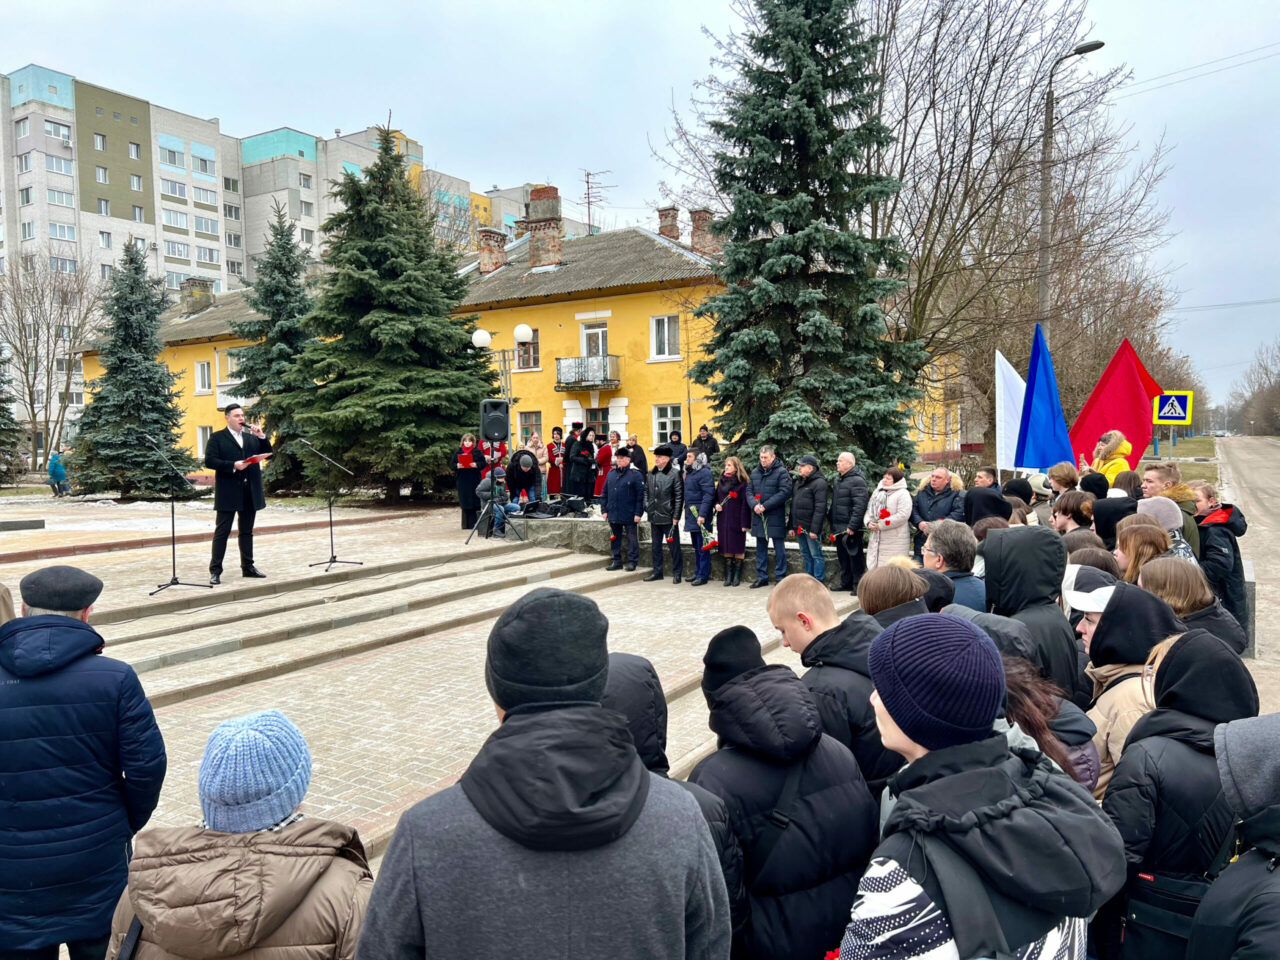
[732,572]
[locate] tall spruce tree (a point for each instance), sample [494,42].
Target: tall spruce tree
[11,435]
[391,380]
[267,369]
[133,420]
[799,354]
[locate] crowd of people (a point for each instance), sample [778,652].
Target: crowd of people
[1022,744]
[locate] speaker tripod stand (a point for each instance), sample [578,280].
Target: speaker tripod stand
[487,511]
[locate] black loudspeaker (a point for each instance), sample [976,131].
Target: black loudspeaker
[495,420]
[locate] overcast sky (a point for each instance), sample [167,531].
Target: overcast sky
[512,90]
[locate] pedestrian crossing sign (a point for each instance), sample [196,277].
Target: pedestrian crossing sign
[1173,407]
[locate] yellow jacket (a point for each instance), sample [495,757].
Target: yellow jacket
[1116,465]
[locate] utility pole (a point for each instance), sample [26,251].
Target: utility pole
[594,194]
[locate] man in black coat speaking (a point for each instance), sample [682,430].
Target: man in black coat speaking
[238,487]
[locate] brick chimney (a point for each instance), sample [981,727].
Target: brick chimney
[195,294]
[703,240]
[544,227]
[493,249]
[669,222]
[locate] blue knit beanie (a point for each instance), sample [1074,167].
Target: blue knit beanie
[940,677]
[254,772]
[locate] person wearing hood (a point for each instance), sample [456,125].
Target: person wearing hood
[1170,517]
[1020,487]
[835,653]
[798,805]
[891,593]
[767,494]
[1095,483]
[1166,795]
[705,444]
[256,878]
[1024,571]
[848,506]
[982,502]
[699,513]
[809,515]
[1239,918]
[1221,527]
[888,519]
[935,501]
[1109,512]
[1184,588]
[1120,625]
[634,690]
[493,490]
[951,549]
[1110,457]
[664,499]
[83,763]
[556,841]
[1165,480]
[624,502]
[964,869]
[678,448]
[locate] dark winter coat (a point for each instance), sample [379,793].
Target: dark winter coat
[971,591]
[734,517]
[639,460]
[912,608]
[580,464]
[235,489]
[1024,577]
[1220,557]
[709,446]
[929,505]
[664,495]
[840,681]
[1165,796]
[623,495]
[556,842]
[1221,624]
[1239,918]
[849,501]
[524,476]
[965,863]
[488,490]
[1011,637]
[635,691]
[1075,731]
[983,502]
[678,450]
[771,488]
[81,764]
[799,900]
[700,495]
[809,504]
[468,478]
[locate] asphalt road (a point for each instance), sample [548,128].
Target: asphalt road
[1249,467]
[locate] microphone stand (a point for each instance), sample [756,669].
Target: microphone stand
[173,524]
[333,553]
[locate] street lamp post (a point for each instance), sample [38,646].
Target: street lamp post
[503,359]
[1046,162]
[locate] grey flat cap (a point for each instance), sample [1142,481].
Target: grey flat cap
[60,588]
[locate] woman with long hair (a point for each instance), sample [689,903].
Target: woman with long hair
[539,450]
[555,462]
[1136,546]
[468,468]
[733,518]
[1186,588]
[1034,703]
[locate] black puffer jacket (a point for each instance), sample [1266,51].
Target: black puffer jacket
[912,608]
[929,505]
[1166,796]
[1024,577]
[799,900]
[1239,918]
[635,691]
[809,504]
[849,501]
[840,681]
[1220,623]
[664,495]
[1220,557]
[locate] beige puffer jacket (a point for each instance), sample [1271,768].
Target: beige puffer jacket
[296,894]
[1116,708]
[889,536]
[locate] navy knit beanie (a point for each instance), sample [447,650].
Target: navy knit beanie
[940,677]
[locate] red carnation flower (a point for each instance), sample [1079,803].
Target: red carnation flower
[711,544]
[833,538]
[757,496]
[884,513]
[799,529]
[612,537]
[733,495]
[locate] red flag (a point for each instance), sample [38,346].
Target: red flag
[1121,400]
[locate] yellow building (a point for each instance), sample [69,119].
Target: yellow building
[481,210]
[935,425]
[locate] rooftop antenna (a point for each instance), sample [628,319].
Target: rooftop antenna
[594,194]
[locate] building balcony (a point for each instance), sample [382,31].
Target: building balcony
[587,373]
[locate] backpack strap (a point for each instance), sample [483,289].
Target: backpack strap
[777,820]
[129,946]
[1224,855]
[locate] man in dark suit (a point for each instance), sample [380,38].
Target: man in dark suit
[238,488]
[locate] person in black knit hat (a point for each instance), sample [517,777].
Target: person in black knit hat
[559,798]
[964,867]
[798,806]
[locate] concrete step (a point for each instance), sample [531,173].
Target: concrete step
[299,594]
[474,603]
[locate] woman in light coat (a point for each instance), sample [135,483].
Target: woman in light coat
[539,450]
[888,519]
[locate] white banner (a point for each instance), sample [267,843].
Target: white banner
[1010,390]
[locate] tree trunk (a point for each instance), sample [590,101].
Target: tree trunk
[392,494]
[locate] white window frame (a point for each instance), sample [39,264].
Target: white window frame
[61,165]
[104,240]
[209,196]
[60,131]
[304,181]
[105,270]
[22,128]
[173,188]
[535,341]
[204,165]
[100,141]
[203,378]
[590,329]
[664,423]
[24,162]
[203,435]
[231,211]
[62,231]
[207,221]
[306,236]
[177,249]
[235,268]
[306,208]
[104,207]
[177,215]
[61,198]
[24,197]
[174,158]
[665,321]
[27,230]
[209,255]
[139,214]
[65,265]
[135,151]
[101,175]
[135,182]
[235,240]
